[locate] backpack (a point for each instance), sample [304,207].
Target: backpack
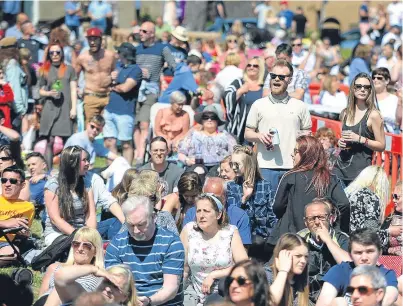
[57,251]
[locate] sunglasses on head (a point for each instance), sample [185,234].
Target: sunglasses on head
[362,290]
[55,52]
[282,77]
[13,181]
[242,281]
[296,45]
[6,158]
[210,116]
[254,66]
[379,78]
[360,86]
[86,245]
[396,196]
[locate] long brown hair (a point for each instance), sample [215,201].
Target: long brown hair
[348,114]
[313,157]
[44,71]
[250,164]
[289,242]
[120,192]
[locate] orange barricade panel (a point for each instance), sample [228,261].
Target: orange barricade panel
[345,89]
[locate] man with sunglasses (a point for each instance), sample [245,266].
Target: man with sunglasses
[277,116]
[98,65]
[151,57]
[13,212]
[298,82]
[327,245]
[365,249]
[298,52]
[86,140]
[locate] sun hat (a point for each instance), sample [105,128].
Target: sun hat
[180,33]
[209,109]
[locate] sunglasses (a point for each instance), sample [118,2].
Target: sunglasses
[379,78]
[13,181]
[232,40]
[360,86]
[296,151]
[211,117]
[396,196]
[274,76]
[312,219]
[254,66]
[86,245]
[362,290]
[6,158]
[242,281]
[234,165]
[95,127]
[296,45]
[55,52]
[143,31]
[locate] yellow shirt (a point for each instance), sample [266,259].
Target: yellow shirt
[15,209]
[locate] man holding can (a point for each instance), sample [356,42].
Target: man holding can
[274,123]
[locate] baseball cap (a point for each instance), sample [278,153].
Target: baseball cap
[94,32]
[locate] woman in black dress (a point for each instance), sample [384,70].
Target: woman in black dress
[58,85]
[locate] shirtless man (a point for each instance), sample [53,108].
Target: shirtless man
[98,65]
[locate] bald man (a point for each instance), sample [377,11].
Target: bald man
[236,215]
[15,31]
[151,57]
[27,41]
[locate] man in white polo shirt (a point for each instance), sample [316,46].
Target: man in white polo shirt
[281,114]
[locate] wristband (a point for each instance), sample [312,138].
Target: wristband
[283,271]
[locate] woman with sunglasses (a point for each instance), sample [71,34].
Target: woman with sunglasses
[247,285]
[86,249]
[252,193]
[69,199]
[392,227]
[233,44]
[241,94]
[288,274]
[368,195]
[362,131]
[212,247]
[11,155]
[387,102]
[116,284]
[208,146]
[58,85]
[310,178]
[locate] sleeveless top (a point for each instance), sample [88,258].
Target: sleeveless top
[207,256]
[89,282]
[351,162]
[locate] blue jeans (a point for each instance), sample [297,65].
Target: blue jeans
[109,228]
[273,176]
[217,26]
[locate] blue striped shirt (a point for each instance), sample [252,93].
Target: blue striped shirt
[149,260]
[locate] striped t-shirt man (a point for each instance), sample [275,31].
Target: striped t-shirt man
[149,260]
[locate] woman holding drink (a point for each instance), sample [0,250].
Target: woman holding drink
[362,130]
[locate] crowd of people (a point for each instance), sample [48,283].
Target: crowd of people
[214,187]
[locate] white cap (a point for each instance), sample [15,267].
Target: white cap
[195,53]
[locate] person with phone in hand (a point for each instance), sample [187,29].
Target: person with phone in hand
[14,212]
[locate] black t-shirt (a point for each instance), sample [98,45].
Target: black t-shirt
[300,21]
[32,45]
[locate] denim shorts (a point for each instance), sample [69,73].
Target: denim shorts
[4,244]
[118,126]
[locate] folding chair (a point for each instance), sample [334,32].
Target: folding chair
[4,233]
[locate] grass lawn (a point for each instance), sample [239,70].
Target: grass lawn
[37,279]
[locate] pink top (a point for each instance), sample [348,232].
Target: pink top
[171,126]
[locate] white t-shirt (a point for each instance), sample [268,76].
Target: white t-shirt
[395,11]
[384,62]
[226,76]
[297,59]
[387,108]
[338,101]
[288,118]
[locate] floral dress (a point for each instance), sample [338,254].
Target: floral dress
[207,256]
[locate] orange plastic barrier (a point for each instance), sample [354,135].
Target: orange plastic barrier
[388,158]
[314,90]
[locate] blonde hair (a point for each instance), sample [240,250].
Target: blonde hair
[121,190]
[375,179]
[232,59]
[24,54]
[250,164]
[129,286]
[260,62]
[327,83]
[147,185]
[90,235]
